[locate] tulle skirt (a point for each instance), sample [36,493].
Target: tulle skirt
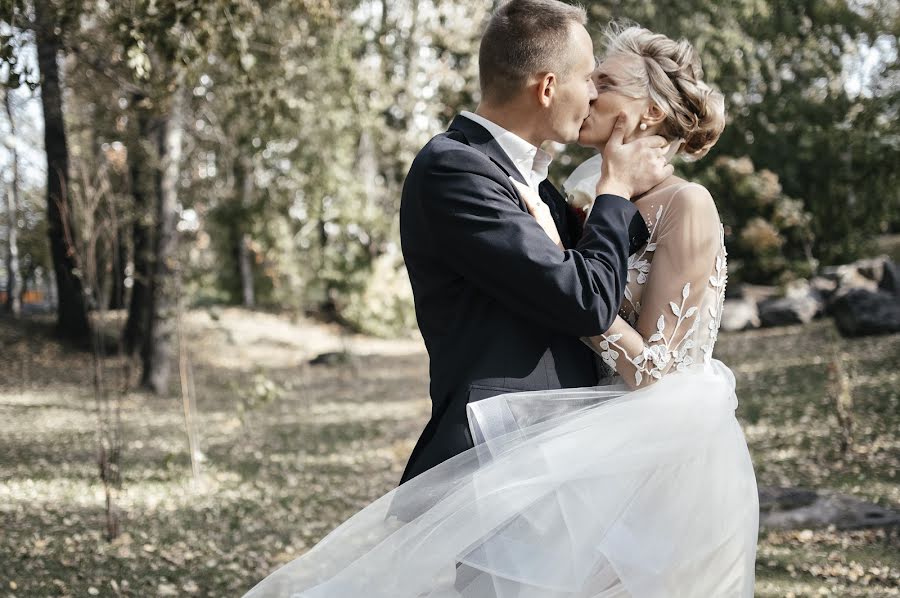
[593,492]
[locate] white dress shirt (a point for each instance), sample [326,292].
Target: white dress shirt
[532,162]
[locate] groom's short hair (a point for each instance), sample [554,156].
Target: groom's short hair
[525,37]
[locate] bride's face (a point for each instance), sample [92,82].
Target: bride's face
[610,77]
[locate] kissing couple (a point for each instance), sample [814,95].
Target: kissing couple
[582,440]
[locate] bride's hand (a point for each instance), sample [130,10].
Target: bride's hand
[540,211]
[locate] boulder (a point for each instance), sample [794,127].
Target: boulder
[861,274]
[801,289]
[861,312]
[332,358]
[734,290]
[739,314]
[850,278]
[825,286]
[758,292]
[890,281]
[794,508]
[871,268]
[800,305]
[783,311]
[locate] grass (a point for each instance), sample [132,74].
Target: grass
[292,449]
[787,406]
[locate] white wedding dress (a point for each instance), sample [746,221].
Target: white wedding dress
[593,492]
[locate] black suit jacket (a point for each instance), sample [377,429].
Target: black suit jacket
[499,305]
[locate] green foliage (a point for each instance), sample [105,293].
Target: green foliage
[326,109]
[768,234]
[384,306]
[807,98]
[320,105]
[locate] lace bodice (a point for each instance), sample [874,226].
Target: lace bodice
[676,287]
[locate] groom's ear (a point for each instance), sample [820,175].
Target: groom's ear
[546,88]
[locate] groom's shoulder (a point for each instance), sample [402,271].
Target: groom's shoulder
[450,151]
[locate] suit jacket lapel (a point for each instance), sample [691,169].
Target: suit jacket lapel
[546,192]
[558,209]
[479,138]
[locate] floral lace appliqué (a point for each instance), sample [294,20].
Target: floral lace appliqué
[656,358]
[639,270]
[685,344]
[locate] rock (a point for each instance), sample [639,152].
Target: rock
[332,358]
[861,274]
[793,508]
[758,292]
[849,278]
[734,291]
[860,312]
[825,286]
[890,281]
[871,268]
[801,289]
[800,305]
[785,499]
[739,314]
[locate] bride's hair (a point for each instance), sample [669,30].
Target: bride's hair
[672,78]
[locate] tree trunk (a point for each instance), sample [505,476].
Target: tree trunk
[118,271]
[246,258]
[117,246]
[159,348]
[143,189]
[23,288]
[72,320]
[14,276]
[244,182]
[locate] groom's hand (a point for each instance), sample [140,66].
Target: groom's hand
[630,169]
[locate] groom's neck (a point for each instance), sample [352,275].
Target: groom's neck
[516,119]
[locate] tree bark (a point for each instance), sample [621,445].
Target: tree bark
[246,258]
[159,348]
[143,190]
[244,182]
[14,276]
[118,273]
[72,320]
[117,245]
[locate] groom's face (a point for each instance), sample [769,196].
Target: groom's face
[571,102]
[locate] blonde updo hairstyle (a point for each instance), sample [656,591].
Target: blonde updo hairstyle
[672,78]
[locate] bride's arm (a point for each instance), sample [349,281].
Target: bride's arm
[687,245]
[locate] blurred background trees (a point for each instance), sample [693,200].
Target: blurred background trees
[253,151]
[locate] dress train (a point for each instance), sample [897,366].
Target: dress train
[567,494]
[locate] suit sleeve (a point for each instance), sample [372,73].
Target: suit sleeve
[476,224]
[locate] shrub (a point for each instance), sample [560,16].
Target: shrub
[768,234]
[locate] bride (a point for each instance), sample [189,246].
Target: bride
[643,488]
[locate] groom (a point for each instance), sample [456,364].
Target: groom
[500,307]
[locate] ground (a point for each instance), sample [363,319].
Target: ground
[290,449]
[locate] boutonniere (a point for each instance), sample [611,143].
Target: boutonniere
[581,186]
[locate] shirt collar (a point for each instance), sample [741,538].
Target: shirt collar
[532,162]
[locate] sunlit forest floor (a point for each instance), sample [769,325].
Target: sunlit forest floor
[291,449]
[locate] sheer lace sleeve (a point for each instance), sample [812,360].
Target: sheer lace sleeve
[679,295]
